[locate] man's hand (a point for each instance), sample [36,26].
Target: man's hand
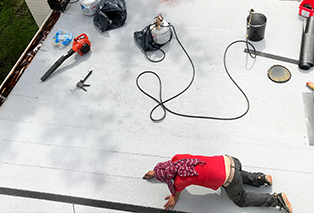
[149,175]
[172,201]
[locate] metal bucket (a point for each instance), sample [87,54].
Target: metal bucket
[256,26]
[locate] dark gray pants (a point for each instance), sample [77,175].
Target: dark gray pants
[240,197]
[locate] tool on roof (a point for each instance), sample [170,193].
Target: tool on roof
[81,44]
[81,84]
[249,22]
[307,46]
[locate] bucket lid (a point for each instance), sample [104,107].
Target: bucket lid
[279,74]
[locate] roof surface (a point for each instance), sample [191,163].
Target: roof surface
[93,147]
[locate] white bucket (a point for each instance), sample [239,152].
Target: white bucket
[88,7]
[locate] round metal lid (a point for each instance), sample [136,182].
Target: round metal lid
[279,74]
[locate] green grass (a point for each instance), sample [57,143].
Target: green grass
[17,28]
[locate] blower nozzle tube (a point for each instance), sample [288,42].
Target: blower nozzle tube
[307,46]
[57,64]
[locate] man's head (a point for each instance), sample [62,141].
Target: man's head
[149,175]
[164,172]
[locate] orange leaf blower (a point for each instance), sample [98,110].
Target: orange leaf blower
[81,44]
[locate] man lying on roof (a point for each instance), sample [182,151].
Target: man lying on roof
[212,172]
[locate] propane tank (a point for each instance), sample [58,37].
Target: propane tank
[160,30]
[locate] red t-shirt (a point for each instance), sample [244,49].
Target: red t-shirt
[211,175]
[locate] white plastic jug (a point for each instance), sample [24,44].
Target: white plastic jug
[89,6]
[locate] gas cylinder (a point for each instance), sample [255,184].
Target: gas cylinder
[160,30]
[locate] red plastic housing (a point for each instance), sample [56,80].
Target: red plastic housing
[306,12]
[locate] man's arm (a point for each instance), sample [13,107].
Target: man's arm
[172,201]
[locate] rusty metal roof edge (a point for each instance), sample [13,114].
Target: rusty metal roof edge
[27,56]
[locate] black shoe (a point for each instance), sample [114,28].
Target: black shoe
[283,202]
[266,179]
